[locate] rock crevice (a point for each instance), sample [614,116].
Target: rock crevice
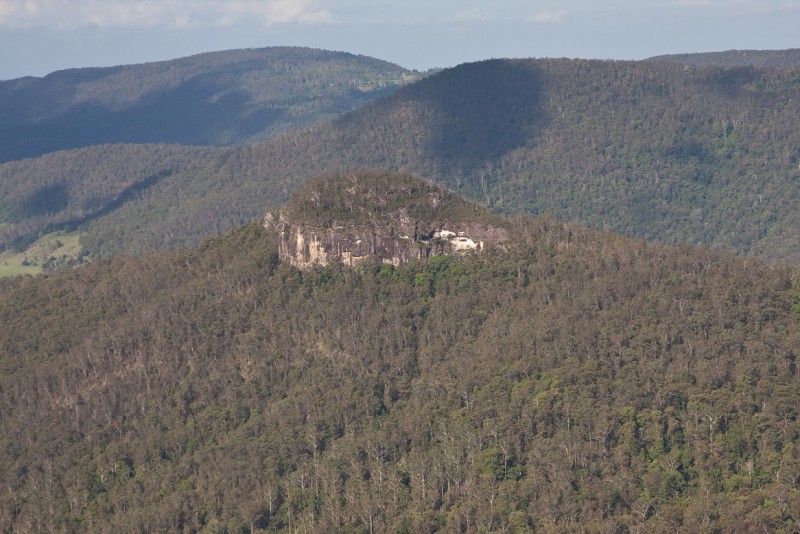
[311,237]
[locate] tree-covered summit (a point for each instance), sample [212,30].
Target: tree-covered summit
[216,98]
[701,155]
[383,217]
[789,58]
[582,382]
[367,197]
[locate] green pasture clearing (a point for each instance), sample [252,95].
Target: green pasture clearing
[57,248]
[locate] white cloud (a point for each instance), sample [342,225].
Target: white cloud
[272,12]
[70,14]
[157,13]
[471,16]
[545,17]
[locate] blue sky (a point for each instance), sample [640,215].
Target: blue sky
[40,36]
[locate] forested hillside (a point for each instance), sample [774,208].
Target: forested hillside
[703,156]
[218,98]
[698,155]
[738,58]
[578,380]
[69,189]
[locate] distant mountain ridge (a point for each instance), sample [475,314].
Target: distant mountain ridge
[789,58]
[706,155]
[217,98]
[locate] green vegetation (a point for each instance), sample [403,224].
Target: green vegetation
[52,252]
[13,264]
[219,98]
[699,155]
[738,58]
[364,196]
[580,381]
[65,190]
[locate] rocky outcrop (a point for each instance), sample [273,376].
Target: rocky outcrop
[396,243]
[397,219]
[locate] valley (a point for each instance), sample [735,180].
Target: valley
[705,156]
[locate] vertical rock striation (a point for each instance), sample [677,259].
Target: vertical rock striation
[380,217]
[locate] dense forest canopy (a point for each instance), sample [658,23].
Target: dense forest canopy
[738,58]
[218,98]
[578,380]
[699,155]
[371,197]
[663,151]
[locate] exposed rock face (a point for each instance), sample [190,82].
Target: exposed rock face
[388,236]
[305,246]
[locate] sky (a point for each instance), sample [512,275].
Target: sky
[41,36]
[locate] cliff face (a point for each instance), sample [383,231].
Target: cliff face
[427,225]
[305,245]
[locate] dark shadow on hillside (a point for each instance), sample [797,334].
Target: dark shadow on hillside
[222,99]
[730,82]
[46,200]
[59,195]
[481,111]
[194,113]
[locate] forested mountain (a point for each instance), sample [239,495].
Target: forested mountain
[738,58]
[704,155]
[575,381]
[71,188]
[218,98]
[654,150]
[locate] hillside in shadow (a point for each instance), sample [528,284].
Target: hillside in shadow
[219,98]
[700,155]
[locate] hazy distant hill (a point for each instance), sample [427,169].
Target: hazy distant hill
[789,58]
[218,98]
[708,155]
[575,381]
